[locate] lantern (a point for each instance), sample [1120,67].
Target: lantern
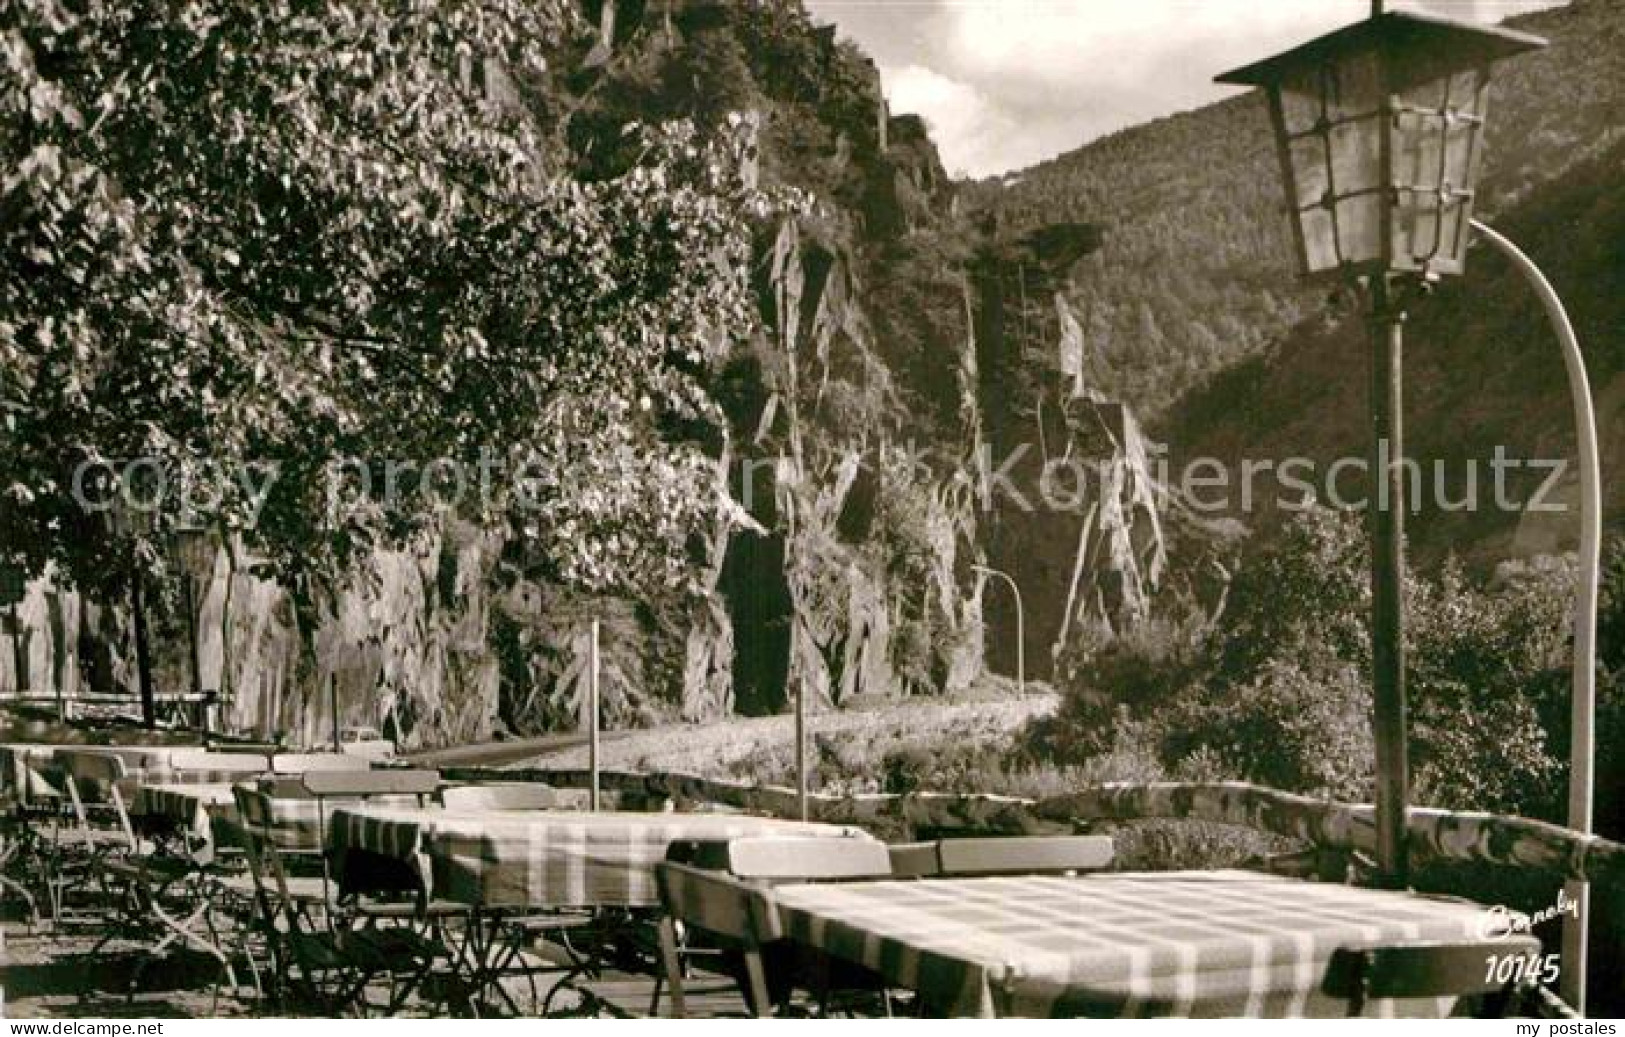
[1380,130]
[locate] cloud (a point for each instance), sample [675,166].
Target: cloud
[1006,83]
[974,135]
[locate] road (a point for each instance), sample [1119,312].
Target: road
[512,750]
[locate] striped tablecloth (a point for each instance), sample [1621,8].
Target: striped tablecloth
[1223,943]
[206,813]
[534,858]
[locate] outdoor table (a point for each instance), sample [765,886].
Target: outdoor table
[142,764]
[1207,943]
[204,813]
[533,858]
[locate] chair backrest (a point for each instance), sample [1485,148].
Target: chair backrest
[202,761]
[1361,974]
[88,765]
[717,903]
[913,860]
[508,796]
[361,784]
[242,745]
[306,763]
[807,859]
[98,776]
[266,868]
[1024,855]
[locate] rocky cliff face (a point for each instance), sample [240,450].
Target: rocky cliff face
[897,347]
[1071,505]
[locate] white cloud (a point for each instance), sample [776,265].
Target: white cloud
[970,133]
[1005,83]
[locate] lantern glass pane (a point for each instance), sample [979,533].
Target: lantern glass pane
[1332,114]
[1437,131]
[1345,89]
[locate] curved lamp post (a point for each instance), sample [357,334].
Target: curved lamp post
[1379,129]
[1582,738]
[1021,625]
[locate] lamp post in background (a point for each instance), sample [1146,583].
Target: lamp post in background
[1379,128]
[127,520]
[195,552]
[1021,625]
[13,588]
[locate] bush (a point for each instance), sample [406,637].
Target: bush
[1119,680]
[1302,723]
[1277,691]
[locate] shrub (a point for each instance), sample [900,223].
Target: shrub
[1278,690]
[1302,723]
[1119,680]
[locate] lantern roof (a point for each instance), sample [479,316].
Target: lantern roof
[1426,45]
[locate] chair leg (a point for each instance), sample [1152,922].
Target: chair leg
[674,970]
[756,978]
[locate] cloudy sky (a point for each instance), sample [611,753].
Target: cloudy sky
[1006,83]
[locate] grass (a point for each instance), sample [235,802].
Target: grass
[849,749]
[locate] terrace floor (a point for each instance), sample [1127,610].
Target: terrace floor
[50,976]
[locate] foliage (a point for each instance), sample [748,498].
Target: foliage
[310,238]
[1286,701]
[1117,679]
[1195,274]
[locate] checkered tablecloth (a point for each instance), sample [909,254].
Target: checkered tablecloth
[1222,943]
[535,858]
[205,813]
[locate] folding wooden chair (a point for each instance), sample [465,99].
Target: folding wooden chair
[294,912]
[1359,975]
[756,863]
[19,839]
[95,828]
[419,925]
[1024,855]
[723,907]
[145,887]
[913,860]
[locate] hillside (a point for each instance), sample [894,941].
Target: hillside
[825,390]
[1192,314]
[899,324]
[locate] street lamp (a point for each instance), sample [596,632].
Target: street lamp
[1379,128]
[128,520]
[13,589]
[1021,625]
[1583,707]
[195,553]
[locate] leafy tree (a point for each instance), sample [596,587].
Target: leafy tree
[311,237]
